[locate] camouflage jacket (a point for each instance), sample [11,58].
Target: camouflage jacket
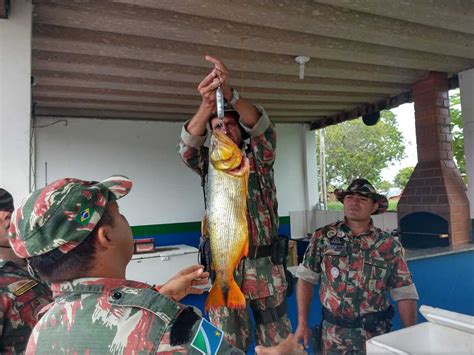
[356,272]
[260,277]
[21,298]
[116,316]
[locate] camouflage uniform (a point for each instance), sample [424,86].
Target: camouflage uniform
[262,282]
[21,299]
[355,273]
[115,316]
[100,315]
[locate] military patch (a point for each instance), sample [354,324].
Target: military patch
[338,248]
[20,287]
[331,233]
[208,338]
[340,234]
[334,272]
[84,216]
[337,244]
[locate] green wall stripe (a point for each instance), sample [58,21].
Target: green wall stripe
[172,228]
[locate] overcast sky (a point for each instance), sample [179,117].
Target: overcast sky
[406,124]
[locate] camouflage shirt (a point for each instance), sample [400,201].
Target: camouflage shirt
[355,272]
[116,316]
[260,277]
[21,298]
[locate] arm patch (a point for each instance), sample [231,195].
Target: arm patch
[181,331]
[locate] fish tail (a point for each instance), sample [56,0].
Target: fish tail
[215,299]
[235,297]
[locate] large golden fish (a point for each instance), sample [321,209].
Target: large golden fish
[226,219]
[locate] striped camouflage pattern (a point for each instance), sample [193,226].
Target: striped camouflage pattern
[261,280]
[6,201]
[365,188]
[21,298]
[62,214]
[111,316]
[356,274]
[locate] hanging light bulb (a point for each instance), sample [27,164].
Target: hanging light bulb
[301,60]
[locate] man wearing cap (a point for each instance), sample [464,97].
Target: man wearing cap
[73,233]
[356,266]
[22,295]
[263,282]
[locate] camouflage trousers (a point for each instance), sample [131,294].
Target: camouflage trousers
[237,324]
[351,341]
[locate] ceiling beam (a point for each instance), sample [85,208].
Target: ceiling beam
[174,87]
[154,23]
[455,15]
[50,41]
[307,16]
[181,74]
[40,94]
[362,110]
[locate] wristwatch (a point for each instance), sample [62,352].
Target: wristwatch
[235,97]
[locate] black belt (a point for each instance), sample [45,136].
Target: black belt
[262,251]
[367,321]
[269,315]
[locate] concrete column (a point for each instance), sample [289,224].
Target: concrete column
[466,84]
[15,99]
[310,165]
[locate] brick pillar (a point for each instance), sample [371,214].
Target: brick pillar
[436,185]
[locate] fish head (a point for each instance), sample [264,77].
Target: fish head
[224,153]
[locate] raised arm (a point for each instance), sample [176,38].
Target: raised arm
[249,115]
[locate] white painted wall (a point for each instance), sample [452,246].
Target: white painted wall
[164,191]
[15,92]
[466,84]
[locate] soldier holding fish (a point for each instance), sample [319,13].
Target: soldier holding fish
[242,212]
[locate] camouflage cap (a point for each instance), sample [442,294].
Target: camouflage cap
[364,188]
[232,112]
[62,214]
[6,201]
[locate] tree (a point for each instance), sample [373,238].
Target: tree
[457,132]
[355,150]
[402,177]
[383,186]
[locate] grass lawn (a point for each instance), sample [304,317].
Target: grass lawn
[337,206]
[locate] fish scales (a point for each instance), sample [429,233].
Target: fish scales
[226,219]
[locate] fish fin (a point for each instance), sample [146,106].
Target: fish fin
[204,229]
[215,299]
[235,297]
